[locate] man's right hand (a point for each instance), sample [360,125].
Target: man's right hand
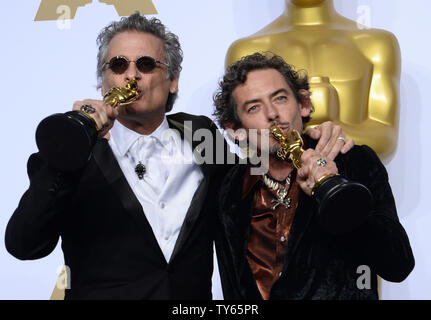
[311,170]
[104,115]
[331,138]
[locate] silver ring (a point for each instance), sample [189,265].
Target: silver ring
[342,139]
[88,108]
[321,162]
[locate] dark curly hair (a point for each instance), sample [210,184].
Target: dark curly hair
[236,74]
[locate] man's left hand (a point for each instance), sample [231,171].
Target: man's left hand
[332,141]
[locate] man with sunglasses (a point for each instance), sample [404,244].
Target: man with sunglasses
[133,225]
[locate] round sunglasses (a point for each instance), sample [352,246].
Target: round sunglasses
[145,64]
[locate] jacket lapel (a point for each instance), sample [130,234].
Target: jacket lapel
[191,216]
[235,217]
[303,216]
[110,168]
[200,195]
[186,133]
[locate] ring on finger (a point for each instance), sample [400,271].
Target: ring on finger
[321,162]
[342,139]
[88,108]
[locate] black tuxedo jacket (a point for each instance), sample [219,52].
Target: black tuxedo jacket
[107,242]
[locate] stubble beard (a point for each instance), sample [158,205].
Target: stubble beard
[274,149]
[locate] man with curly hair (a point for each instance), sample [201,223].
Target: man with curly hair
[271,244]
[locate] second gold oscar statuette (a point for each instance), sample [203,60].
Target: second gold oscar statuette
[291,149]
[343,205]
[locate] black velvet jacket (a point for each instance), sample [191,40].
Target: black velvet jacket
[318,265]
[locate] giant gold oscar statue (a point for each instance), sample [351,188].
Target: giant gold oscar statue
[354,72]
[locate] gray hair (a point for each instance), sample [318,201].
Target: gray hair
[136,22]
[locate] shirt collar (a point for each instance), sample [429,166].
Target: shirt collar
[124,137]
[249,182]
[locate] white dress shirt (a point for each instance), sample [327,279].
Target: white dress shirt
[170,181]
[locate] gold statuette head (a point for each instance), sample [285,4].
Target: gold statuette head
[118,96]
[290,145]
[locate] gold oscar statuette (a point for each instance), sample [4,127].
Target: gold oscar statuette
[66,140]
[121,96]
[342,204]
[117,96]
[354,70]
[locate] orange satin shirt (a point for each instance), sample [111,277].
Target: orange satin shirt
[269,231]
